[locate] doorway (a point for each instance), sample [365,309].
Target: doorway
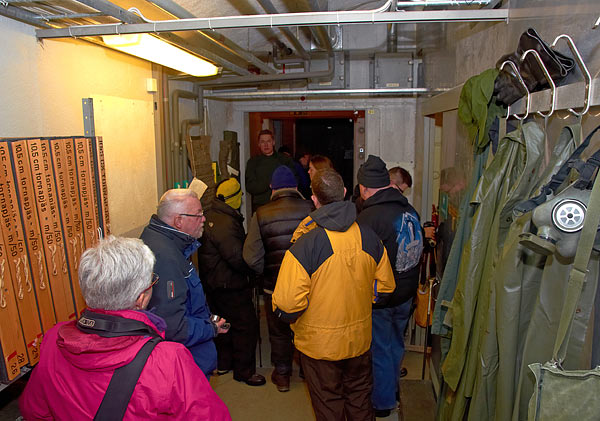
[339,135]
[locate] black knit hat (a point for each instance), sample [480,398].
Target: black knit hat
[373,173]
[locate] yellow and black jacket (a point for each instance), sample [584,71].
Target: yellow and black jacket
[328,281]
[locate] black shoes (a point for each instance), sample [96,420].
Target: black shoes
[254,380]
[222,372]
[403,372]
[282,381]
[382,413]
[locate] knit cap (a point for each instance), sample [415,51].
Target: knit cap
[230,192]
[282,178]
[373,173]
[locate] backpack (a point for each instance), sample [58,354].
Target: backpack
[409,238]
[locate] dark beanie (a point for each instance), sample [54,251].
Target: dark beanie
[373,173]
[283,178]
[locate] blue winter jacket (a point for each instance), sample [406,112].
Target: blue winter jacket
[178,296]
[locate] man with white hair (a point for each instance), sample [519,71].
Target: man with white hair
[172,235]
[87,368]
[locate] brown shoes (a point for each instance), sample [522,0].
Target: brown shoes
[282,381]
[254,380]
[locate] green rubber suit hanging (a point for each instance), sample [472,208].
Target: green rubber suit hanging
[511,294]
[508,180]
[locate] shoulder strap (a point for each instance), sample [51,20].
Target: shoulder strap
[109,326]
[121,386]
[557,179]
[578,273]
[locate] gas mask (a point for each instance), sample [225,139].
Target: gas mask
[559,222]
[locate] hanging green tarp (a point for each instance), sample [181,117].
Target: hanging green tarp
[508,180]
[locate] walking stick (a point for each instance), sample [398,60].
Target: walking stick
[255,298]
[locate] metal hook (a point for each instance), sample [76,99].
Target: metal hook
[548,78]
[518,75]
[583,69]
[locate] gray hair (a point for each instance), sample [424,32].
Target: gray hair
[171,203]
[114,272]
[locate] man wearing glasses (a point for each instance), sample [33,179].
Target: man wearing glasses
[178,297]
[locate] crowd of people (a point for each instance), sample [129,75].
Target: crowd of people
[337,280]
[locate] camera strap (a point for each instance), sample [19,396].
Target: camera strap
[124,379]
[109,326]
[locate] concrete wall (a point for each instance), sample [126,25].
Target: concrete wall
[42,86]
[389,124]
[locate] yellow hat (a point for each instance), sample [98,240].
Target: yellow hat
[230,192]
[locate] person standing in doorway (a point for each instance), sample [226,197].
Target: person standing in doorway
[259,169]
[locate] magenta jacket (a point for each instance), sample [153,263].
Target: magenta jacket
[75,368]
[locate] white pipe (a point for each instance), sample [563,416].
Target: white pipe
[275,21]
[441,3]
[317,92]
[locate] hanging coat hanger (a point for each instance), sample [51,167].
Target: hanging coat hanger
[548,78]
[584,71]
[520,78]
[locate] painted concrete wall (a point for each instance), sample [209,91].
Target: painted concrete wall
[389,123]
[42,86]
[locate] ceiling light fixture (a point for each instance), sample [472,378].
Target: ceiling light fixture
[158,51]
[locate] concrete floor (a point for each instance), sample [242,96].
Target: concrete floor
[265,403]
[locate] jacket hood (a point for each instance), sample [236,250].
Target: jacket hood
[184,242]
[90,352]
[389,195]
[336,216]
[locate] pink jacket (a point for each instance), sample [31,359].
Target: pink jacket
[75,368]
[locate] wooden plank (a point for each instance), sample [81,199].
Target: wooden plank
[67,217]
[102,187]
[33,236]
[12,342]
[50,226]
[16,254]
[87,191]
[75,206]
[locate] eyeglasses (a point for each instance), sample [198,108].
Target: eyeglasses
[155,279]
[199,215]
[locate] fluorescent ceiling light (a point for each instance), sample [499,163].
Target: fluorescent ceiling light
[158,51]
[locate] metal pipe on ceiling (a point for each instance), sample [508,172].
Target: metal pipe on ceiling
[321,33]
[269,8]
[319,92]
[68,16]
[22,15]
[253,79]
[178,145]
[130,18]
[287,19]
[219,39]
[415,3]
